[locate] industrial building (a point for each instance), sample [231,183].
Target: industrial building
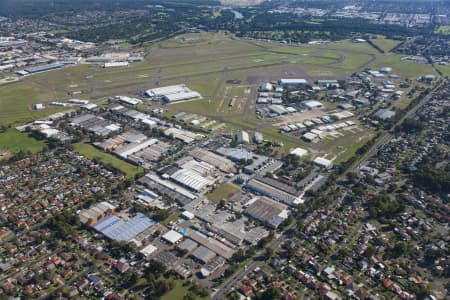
[292,82]
[188,245]
[309,137]
[300,152]
[129,136]
[95,124]
[125,150]
[200,167]
[148,250]
[166,187]
[327,82]
[266,87]
[203,254]
[278,110]
[243,137]
[116,64]
[210,243]
[235,154]
[323,162]
[223,223]
[211,158]
[172,237]
[40,69]
[258,138]
[95,213]
[267,211]
[172,93]
[129,101]
[185,136]
[262,165]
[150,154]
[274,189]
[313,104]
[191,179]
[78,101]
[119,230]
[384,114]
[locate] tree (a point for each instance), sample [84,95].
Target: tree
[272,293]
[221,204]
[156,268]
[189,296]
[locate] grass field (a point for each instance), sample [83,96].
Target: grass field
[179,292]
[444,69]
[443,29]
[224,191]
[342,148]
[13,141]
[202,60]
[91,152]
[405,69]
[385,44]
[205,62]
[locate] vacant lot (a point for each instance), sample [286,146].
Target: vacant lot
[224,191]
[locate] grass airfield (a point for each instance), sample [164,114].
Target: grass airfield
[204,62]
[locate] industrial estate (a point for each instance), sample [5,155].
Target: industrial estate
[213,164]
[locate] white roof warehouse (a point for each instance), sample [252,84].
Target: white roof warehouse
[172,93]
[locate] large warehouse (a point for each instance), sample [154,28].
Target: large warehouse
[172,93]
[119,230]
[313,104]
[267,211]
[292,81]
[191,179]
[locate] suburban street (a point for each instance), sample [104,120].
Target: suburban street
[227,286]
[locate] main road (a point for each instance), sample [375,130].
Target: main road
[236,277]
[379,144]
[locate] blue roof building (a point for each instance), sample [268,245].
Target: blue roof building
[119,230]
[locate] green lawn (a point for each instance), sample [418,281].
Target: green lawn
[224,191]
[385,44]
[91,152]
[405,69]
[444,69]
[15,141]
[443,29]
[179,292]
[342,148]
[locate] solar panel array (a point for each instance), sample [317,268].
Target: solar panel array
[120,230]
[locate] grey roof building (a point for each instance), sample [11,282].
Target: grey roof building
[384,114]
[203,254]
